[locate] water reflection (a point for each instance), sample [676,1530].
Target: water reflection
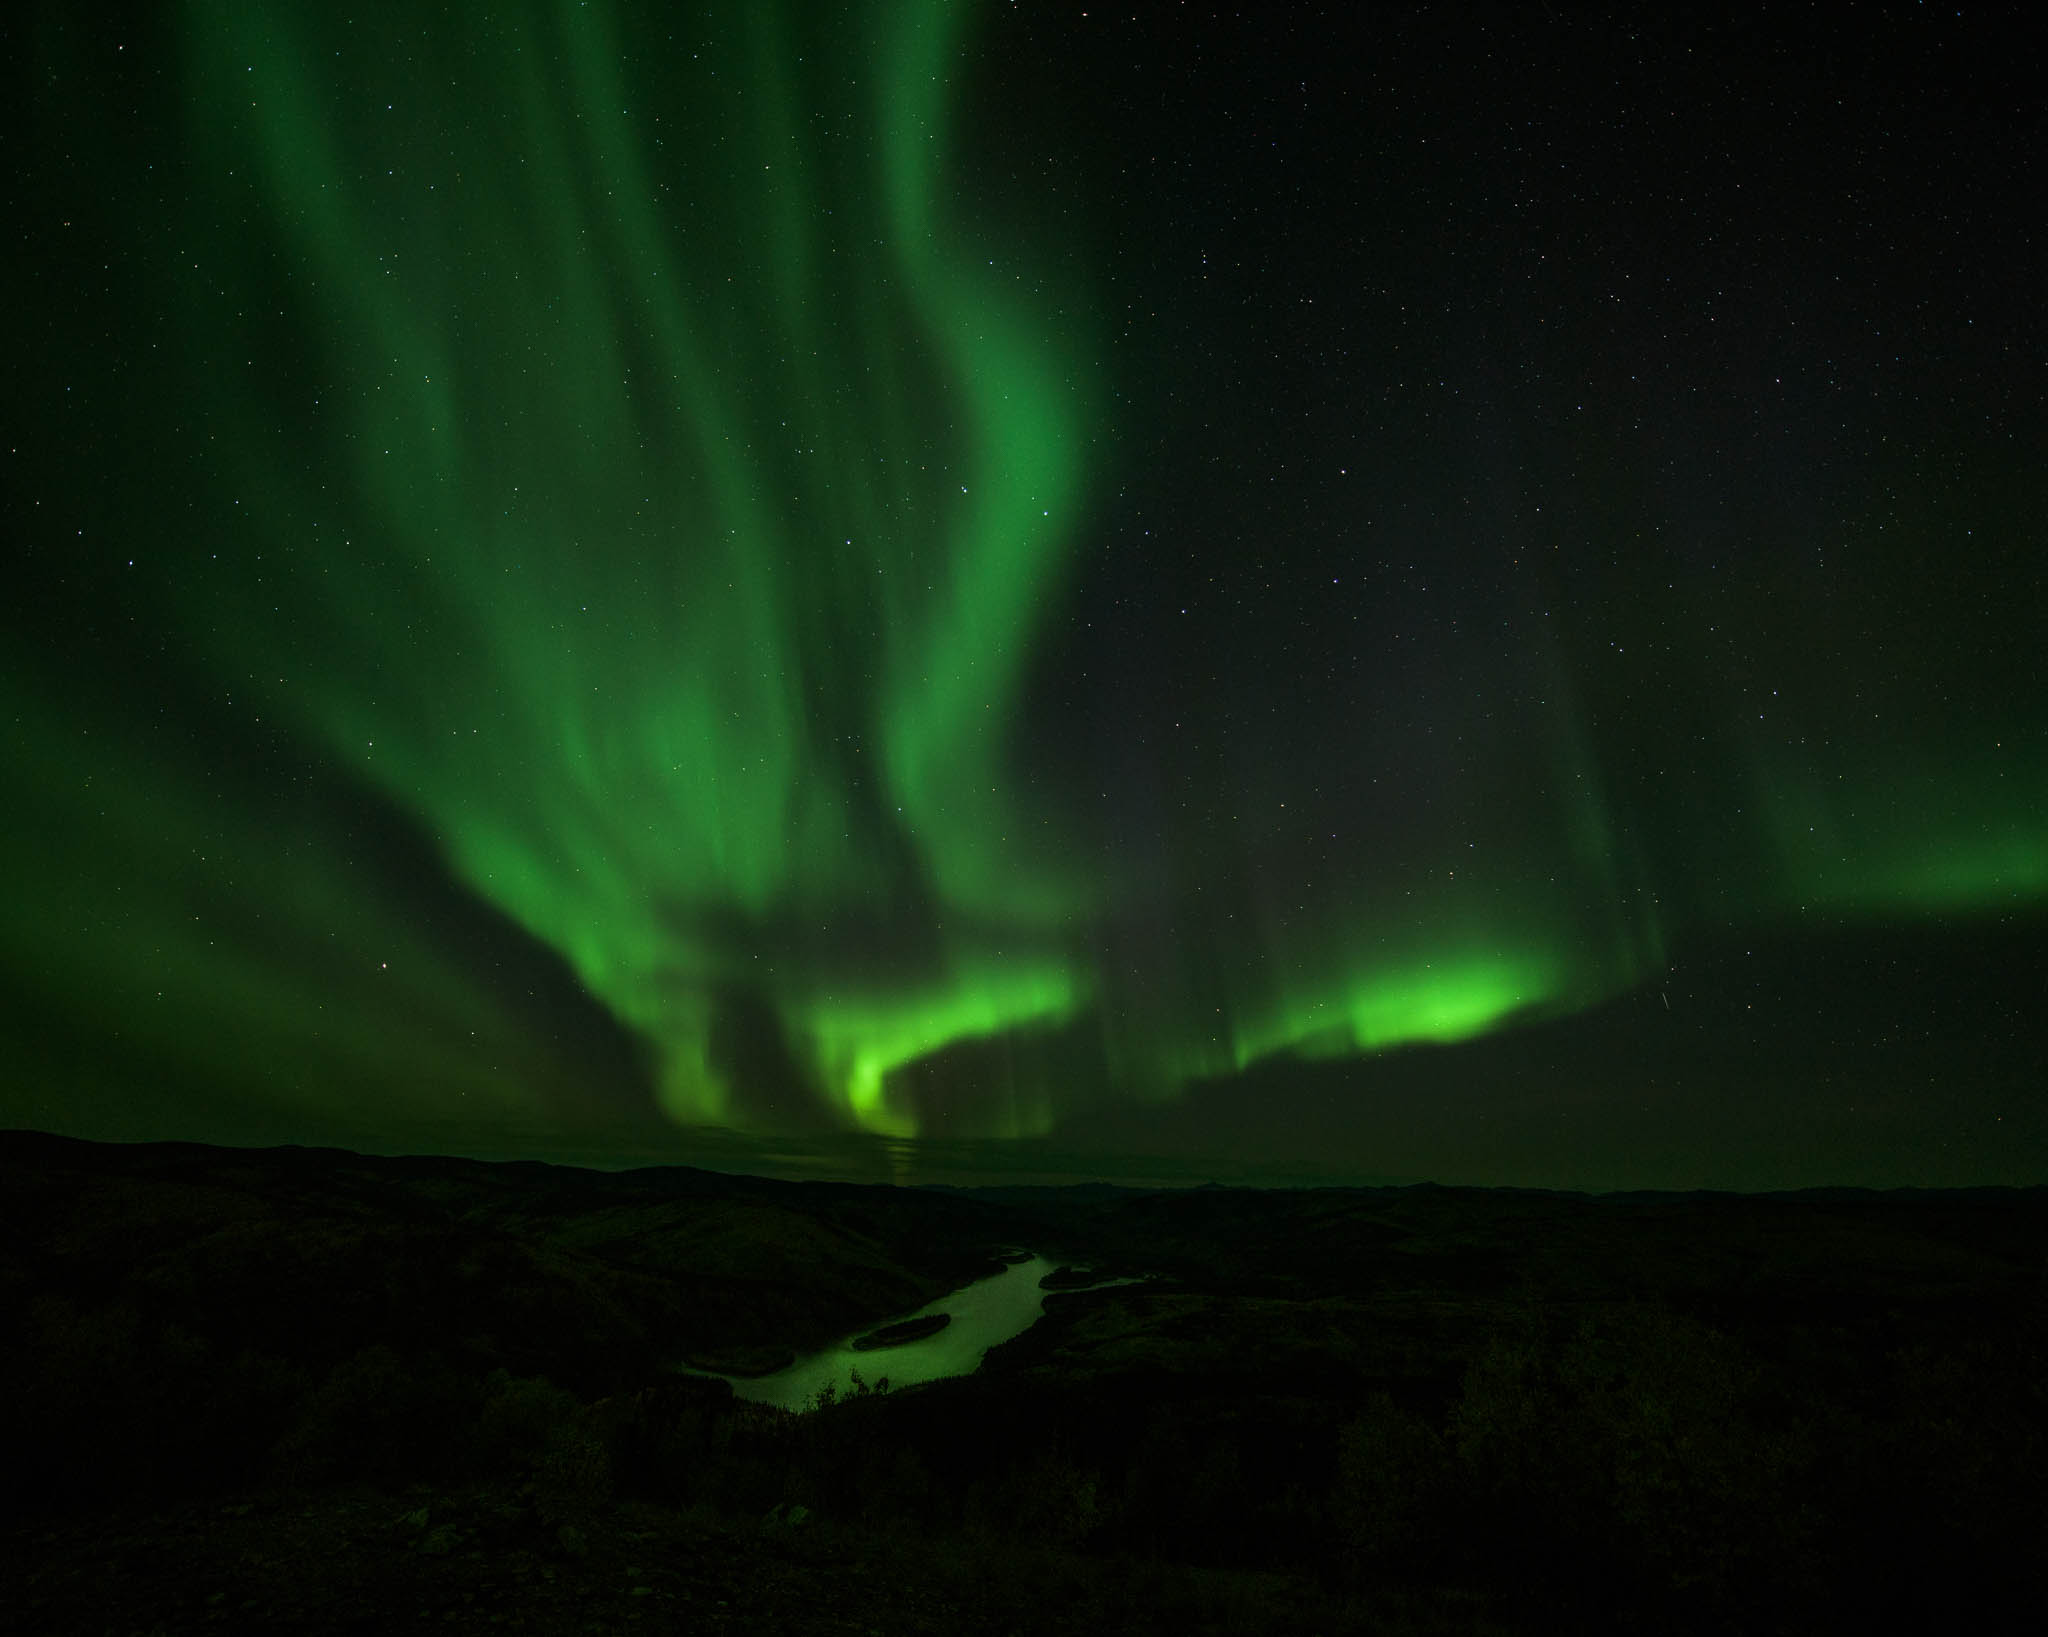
[984,1314]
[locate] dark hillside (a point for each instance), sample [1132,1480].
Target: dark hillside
[327,1391]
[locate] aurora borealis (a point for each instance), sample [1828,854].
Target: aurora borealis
[945,572]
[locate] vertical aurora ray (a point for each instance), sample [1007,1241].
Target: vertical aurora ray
[1023,399]
[617,505]
[668,503]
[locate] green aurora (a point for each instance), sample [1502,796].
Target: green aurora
[653,465]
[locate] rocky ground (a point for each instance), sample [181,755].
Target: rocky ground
[481,1560]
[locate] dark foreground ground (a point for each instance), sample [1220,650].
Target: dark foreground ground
[308,1391]
[473,1559]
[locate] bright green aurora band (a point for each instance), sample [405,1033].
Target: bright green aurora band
[700,480]
[657,481]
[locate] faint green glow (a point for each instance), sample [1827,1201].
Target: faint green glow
[160,918]
[1918,838]
[633,453]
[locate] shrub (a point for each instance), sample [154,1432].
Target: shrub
[1393,1486]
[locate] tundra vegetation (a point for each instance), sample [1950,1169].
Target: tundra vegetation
[441,1385]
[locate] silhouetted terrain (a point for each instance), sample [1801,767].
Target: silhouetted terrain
[307,1390]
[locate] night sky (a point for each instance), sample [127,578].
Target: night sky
[930,589]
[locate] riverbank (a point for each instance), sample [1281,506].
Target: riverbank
[902,1333]
[743,1363]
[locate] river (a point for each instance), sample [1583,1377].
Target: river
[985,1313]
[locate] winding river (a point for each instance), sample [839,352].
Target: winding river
[983,1314]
